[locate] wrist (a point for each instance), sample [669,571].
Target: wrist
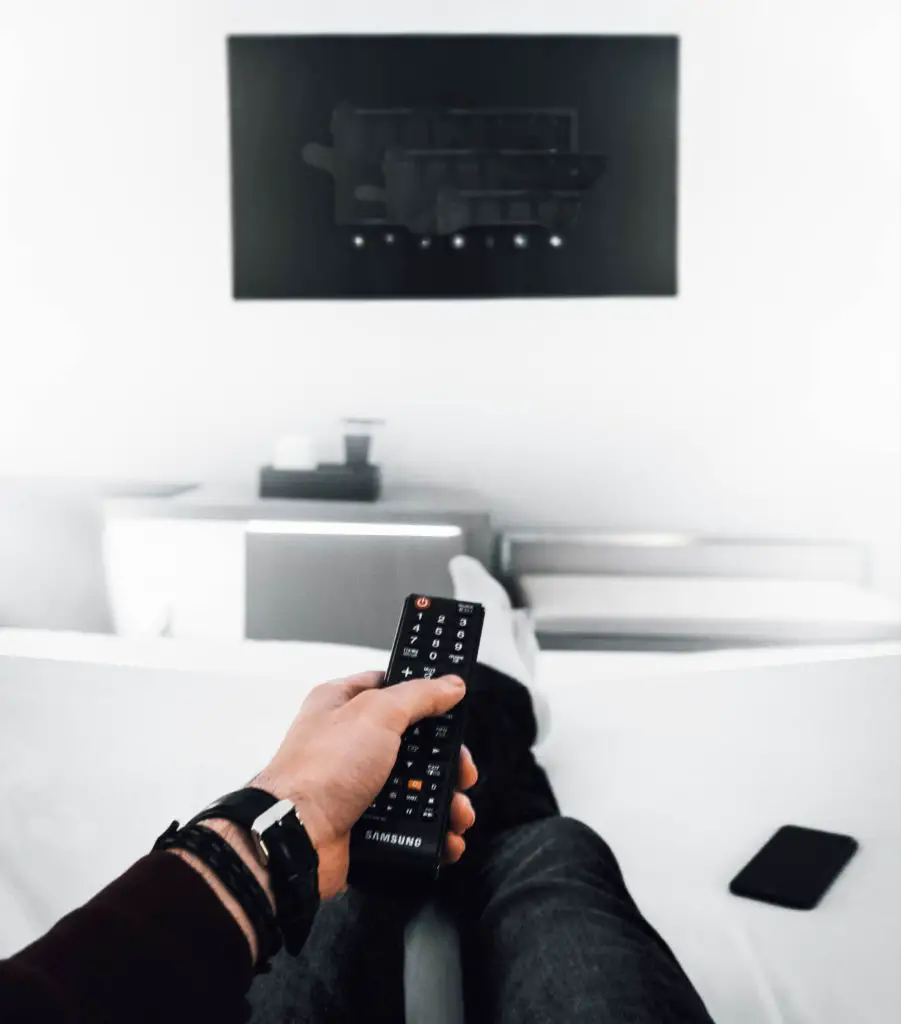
[239,840]
[313,819]
[322,836]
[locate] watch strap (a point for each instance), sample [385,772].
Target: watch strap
[242,807]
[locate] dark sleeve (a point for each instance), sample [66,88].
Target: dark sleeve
[156,945]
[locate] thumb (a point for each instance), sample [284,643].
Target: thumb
[416,699]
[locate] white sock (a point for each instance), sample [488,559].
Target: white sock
[508,642]
[498,648]
[526,641]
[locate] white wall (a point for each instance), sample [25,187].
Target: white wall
[765,399]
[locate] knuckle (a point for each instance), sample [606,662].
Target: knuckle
[317,693]
[368,701]
[435,706]
[343,688]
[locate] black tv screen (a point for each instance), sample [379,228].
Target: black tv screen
[453,166]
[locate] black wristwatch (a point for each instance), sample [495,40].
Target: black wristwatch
[283,846]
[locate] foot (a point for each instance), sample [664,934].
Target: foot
[508,642]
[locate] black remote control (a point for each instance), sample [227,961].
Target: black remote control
[401,836]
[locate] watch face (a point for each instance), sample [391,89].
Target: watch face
[287,843]
[442,166]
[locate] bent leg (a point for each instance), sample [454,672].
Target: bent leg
[551,934]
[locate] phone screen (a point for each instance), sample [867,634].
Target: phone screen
[795,868]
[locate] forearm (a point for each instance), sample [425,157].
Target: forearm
[167,940]
[157,944]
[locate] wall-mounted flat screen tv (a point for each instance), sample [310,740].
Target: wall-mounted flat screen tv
[453,166]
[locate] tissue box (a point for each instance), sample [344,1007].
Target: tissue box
[327,482]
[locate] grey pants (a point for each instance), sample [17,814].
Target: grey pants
[549,932]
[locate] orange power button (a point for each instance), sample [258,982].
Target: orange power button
[422,602]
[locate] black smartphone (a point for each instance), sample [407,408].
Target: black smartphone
[796,868]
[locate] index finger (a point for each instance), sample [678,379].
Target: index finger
[410,702]
[352,685]
[339,691]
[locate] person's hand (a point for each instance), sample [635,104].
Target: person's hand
[339,753]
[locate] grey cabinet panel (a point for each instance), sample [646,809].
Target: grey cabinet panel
[340,589]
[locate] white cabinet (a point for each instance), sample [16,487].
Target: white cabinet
[176,577]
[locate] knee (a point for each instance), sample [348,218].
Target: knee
[568,844]
[578,836]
